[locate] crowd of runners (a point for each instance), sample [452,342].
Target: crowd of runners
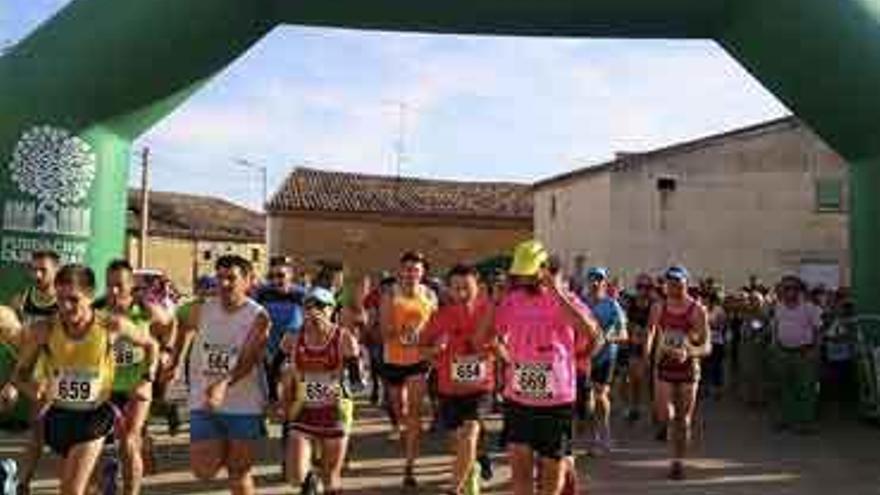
[549,351]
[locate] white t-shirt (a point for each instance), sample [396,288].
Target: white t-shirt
[797,326]
[215,351]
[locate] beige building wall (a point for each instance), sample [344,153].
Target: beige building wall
[573,219]
[367,244]
[744,204]
[183,260]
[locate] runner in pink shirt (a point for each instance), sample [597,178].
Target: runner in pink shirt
[536,323]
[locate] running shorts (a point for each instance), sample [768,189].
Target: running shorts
[546,430]
[396,374]
[204,425]
[455,410]
[602,372]
[331,421]
[66,428]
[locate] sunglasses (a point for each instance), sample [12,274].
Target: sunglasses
[644,287]
[314,303]
[277,275]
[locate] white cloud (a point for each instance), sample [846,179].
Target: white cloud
[528,107]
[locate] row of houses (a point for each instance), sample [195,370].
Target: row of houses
[763,200]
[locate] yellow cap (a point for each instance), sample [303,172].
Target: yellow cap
[528,257]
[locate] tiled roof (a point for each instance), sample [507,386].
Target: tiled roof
[196,217]
[307,189]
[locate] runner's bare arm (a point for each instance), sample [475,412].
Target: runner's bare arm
[188,327]
[653,327]
[162,325]
[253,351]
[582,320]
[287,388]
[703,345]
[485,331]
[386,325]
[350,346]
[17,302]
[23,375]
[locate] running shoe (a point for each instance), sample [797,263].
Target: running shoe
[8,477]
[310,484]
[661,435]
[486,470]
[676,471]
[409,480]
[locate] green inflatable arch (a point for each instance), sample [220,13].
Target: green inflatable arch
[78,90]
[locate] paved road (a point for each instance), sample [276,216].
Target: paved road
[737,454]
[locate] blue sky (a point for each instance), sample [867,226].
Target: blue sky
[479,108]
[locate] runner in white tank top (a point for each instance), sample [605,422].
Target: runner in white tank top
[221,336]
[227,394]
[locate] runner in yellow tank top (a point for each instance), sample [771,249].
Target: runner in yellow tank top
[66,367]
[404,313]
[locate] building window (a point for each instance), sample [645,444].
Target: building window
[206,255]
[829,194]
[666,184]
[255,255]
[553,207]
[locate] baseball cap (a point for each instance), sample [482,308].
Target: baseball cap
[597,272]
[528,258]
[677,272]
[322,296]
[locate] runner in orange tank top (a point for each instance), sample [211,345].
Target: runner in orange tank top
[404,313]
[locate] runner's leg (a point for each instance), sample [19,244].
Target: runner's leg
[299,458]
[78,465]
[32,453]
[552,476]
[239,463]
[415,390]
[206,458]
[522,466]
[466,439]
[332,461]
[136,412]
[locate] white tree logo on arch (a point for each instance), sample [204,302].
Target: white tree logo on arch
[57,168]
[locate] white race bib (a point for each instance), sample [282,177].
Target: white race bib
[409,337]
[77,388]
[673,340]
[218,359]
[533,380]
[125,354]
[321,388]
[468,369]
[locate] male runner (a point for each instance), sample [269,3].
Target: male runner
[612,320]
[227,396]
[465,369]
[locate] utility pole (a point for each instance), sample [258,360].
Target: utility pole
[145,208]
[264,173]
[400,146]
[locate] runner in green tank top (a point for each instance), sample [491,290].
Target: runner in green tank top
[132,390]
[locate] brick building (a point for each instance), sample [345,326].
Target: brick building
[366,221]
[766,199]
[188,232]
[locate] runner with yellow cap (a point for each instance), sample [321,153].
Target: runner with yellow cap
[536,324]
